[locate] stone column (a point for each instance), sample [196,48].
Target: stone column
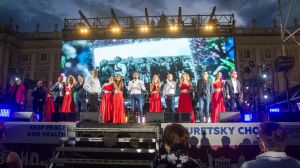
[5,63]
[51,66]
[32,65]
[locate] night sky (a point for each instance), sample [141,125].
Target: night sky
[27,13]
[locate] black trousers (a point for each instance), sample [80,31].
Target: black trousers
[38,108]
[58,103]
[235,104]
[81,105]
[93,102]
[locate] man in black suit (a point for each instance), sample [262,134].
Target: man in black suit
[81,95]
[234,93]
[204,92]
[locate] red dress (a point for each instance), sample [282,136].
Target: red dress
[217,101]
[118,108]
[68,104]
[185,101]
[106,103]
[49,106]
[155,101]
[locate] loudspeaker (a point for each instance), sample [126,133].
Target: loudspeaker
[283,63]
[24,116]
[155,117]
[230,117]
[90,117]
[177,117]
[60,116]
[285,116]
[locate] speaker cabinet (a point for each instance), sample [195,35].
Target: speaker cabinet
[59,116]
[24,116]
[285,116]
[178,117]
[90,117]
[155,117]
[227,117]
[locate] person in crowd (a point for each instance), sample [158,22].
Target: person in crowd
[107,101]
[59,93]
[93,88]
[8,159]
[185,100]
[272,139]
[155,100]
[204,91]
[118,101]
[234,93]
[176,141]
[49,105]
[20,95]
[169,93]
[81,95]
[135,88]
[217,100]
[68,102]
[39,95]
[11,92]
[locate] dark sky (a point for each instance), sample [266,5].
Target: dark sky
[27,13]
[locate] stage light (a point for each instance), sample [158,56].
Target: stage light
[266,96]
[84,30]
[247,87]
[17,79]
[248,117]
[144,29]
[116,29]
[264,76]
[173,28]
[209,27]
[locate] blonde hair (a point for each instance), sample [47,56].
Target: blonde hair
[71,79]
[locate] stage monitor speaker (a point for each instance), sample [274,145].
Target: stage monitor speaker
[153,117]
[285,116]
[24,116]
[60,116]
[177,117]
[230,117]
[90,117]
[284,63]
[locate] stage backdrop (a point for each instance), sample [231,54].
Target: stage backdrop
[149,56]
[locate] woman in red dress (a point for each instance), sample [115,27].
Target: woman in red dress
[185,100]
[49,105]
[217,101]
[107,101]
[68,104]
[155,100]
[118,101]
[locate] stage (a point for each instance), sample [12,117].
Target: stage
[232,143]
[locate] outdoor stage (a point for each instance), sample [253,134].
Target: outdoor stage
[217,143]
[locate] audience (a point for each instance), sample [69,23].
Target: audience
[8,159]
[272,142]
[176,141]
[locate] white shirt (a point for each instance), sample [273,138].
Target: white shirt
[272,159]
[136,86]
[169,88]
[60,89]
[92,85]
[234,84]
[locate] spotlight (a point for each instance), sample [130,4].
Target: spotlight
[116,29]
[266,96]
[247,87]
[248,117]
[84,30]
[144,29]
[209,27]
[274,110]
[264,76]
[173,28]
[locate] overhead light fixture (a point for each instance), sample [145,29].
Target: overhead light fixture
[173,27]
[144,29]
[116,29]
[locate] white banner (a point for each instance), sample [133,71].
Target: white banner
[234,133]
[39,133]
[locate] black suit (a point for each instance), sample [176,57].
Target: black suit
[236,99]
[81,97]
[204,92]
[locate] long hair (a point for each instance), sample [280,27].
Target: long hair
[119,83]
[217,76]
[71,80]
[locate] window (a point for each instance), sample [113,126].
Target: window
[25,57]
[43,57]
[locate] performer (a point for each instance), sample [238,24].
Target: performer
[217,101]
[135,87]
[155,100]
[39,97]
[169,93]
[81,95]
[20,95]
[107,101]
[234,93]
[68,102]
[59,93]
[93,87]
[185,101]
[118,101]
[49,105]
[204,91]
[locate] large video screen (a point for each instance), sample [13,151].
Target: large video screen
[148,57]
